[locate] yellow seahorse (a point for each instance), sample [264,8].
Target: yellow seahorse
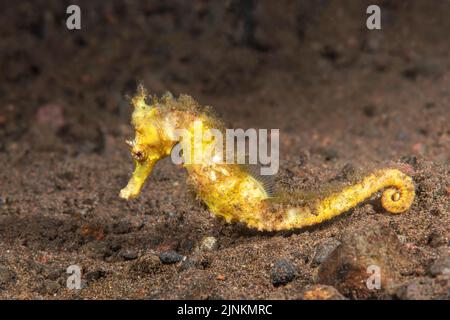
[229,190]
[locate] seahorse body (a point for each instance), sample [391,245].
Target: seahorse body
[229,190]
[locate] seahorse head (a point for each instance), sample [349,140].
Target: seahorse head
[152,142]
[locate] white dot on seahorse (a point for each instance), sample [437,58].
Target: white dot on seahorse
[291,214]
[213,176]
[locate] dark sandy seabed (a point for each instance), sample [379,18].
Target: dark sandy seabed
[346,101]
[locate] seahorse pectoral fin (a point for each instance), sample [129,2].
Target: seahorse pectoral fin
[141,172]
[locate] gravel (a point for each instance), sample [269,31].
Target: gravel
[170,257]
[283,272]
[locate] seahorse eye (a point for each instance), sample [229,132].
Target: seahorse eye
[139,155]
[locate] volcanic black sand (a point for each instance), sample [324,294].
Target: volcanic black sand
[346,100]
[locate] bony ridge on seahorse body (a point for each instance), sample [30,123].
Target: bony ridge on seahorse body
[229,190]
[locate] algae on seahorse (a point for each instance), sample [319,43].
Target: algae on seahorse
[229,190]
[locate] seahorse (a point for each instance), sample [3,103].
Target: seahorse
[231,191]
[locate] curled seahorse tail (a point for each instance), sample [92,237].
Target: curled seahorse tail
[397,197]
[400,196]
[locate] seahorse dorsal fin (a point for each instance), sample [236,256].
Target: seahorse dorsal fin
[166,96]
[266,181]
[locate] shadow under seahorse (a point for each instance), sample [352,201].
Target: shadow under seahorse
[229,190]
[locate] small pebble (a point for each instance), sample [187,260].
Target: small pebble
[95,275]
[122,227]
[321,292]
[283,272]
[149,264]
[98,250]
[323,250]
[209,244]
[128,254]
[221,277]
[187,264]
[169,257]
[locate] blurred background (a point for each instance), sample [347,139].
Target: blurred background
[345,99]
[295,64]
